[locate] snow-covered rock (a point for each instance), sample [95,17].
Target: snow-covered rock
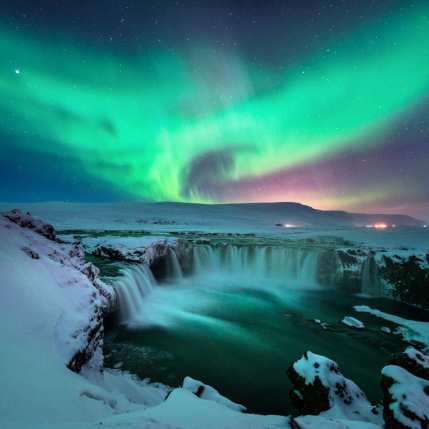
[411,330]
[352,322]
[406,399]
[25,220]
[134,248]
[413,361]
[205,391]
[319,387]
[51,317]
[182,409]
[323,325]
[77,297]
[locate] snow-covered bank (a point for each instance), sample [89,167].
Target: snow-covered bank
[411,330]
[51,308]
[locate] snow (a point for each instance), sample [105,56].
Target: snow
[411,329]
[183,409]
[125,244]
[408,394]
[352,322]
[46,307]
[320,422]
[418,357]
[43,304]
[236,218]
[207,392]
[349,402]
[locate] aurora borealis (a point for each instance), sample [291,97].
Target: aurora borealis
[324,103]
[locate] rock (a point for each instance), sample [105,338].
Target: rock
[319,387]
[28,221]
[92,343]
[111,253]
[323,325]
[31,253]
[413,361]
[405,399]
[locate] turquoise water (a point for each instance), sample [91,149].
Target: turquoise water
[241,339]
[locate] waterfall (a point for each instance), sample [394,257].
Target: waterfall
[307,273]
[292,264]
[173,265]
[135,283]
[371,284]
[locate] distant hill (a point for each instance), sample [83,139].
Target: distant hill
[171,215]
[290,212]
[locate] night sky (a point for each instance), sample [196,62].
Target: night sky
[320,102]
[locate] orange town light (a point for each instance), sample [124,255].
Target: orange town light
[380,225]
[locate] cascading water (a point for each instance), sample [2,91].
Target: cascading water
[173,266]
[290,264]
[371,284]
[135,283]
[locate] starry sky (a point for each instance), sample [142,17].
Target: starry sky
[320,102]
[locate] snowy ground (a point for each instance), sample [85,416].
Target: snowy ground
[208,218]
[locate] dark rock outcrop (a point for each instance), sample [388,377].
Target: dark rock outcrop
[413,361]
[30,252]
[93,336]
[25,220]
[320,386]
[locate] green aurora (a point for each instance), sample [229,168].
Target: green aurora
[140,121]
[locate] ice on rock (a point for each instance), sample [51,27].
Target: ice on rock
[353,322]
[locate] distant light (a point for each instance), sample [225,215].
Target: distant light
[17,71]
[380,226]
[289,225]
[425,226]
